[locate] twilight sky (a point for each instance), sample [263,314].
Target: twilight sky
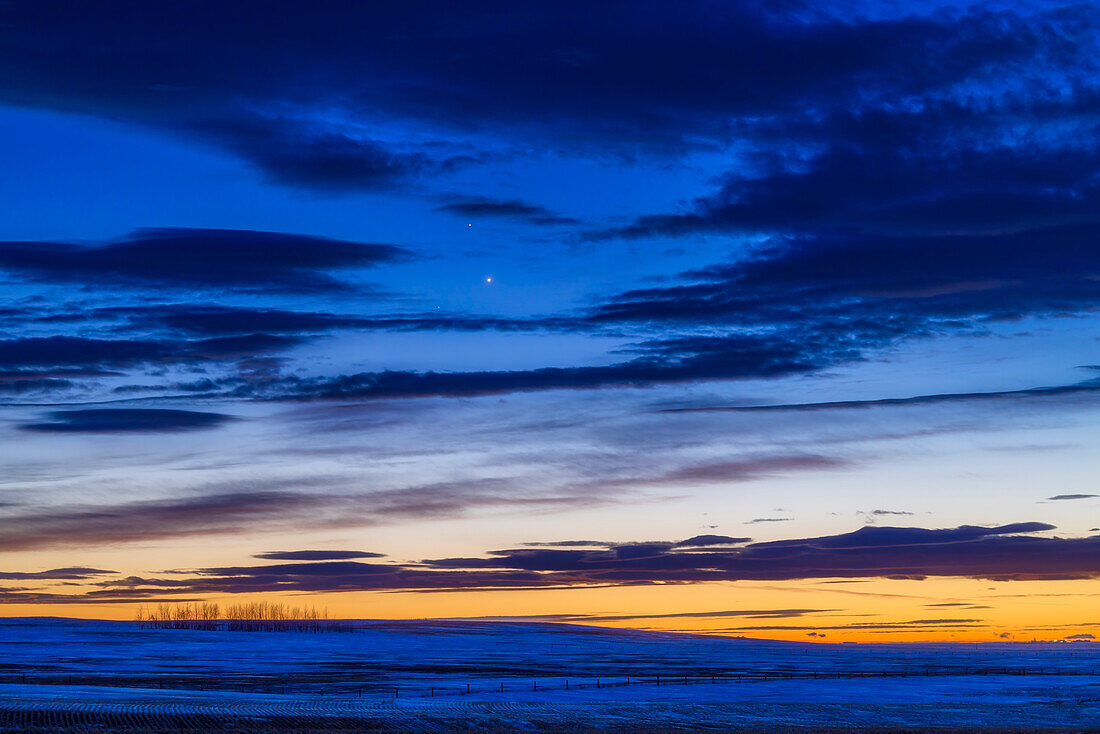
[761,318]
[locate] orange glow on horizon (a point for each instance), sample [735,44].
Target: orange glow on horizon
[834,610]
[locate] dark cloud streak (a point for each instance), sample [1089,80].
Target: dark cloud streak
[1008,552]
[479,207]
[127,420]
[201,258]
[316,555]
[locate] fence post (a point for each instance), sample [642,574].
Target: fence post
[567,684]
[658,680]
[467,688]
[534,685]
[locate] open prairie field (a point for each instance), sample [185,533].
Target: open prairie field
[440,675]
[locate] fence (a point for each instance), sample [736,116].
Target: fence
[322,685]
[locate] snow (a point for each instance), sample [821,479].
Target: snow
[306,679]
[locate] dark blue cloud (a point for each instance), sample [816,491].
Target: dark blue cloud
[75,573]
[883,537]
[200,258]
[44,380]
[480,207]
[214,320]
[68,351]
[218,320]
[294,154]
[990,552]
[127,420]
[1081,389]
[293,91]
[32,385]
[861,279]
[316,555]
[224,347]
[736,356]
[1002,553]
[58,354]
[902,176]
[875,184]
[708,540]
[337,569]
[913,174]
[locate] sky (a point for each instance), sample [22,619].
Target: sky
[774,319]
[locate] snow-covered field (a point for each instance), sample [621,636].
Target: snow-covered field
[414,675]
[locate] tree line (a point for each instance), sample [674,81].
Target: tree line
[258,616]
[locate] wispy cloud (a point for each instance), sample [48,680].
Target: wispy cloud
[274,509]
